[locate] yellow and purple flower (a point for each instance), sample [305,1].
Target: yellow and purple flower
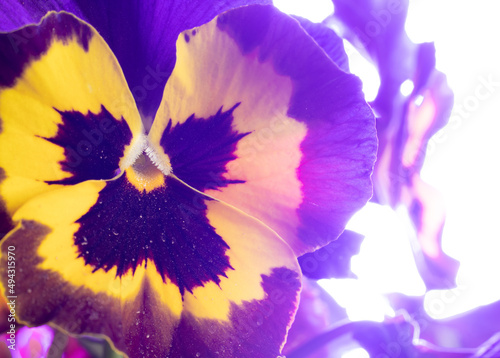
[161,197]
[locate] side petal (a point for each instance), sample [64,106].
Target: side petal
[255,114]
[66,114]
[161,272]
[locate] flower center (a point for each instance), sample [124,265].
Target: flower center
[144,174]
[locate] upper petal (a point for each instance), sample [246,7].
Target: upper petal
[142,34]
[255,114]
[66,113]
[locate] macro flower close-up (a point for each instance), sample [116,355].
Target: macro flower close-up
[163,166]
[249,179]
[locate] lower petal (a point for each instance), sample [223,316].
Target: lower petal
[146,304]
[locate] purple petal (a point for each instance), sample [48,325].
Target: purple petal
[377,29]
[490,348]
[15,14]
[396,337]
[328,40]
[484,320]
[334,259]
[453,332]
[316,313]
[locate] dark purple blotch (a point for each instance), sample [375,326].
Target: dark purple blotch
[167,225]
[93,145]
[20,48]
[199,149]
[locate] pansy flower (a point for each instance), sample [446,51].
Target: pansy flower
[172,225]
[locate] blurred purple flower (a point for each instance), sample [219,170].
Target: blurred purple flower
[470,329]
[395,337]
[405,123]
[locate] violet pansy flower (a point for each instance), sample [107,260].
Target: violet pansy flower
[168,214]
